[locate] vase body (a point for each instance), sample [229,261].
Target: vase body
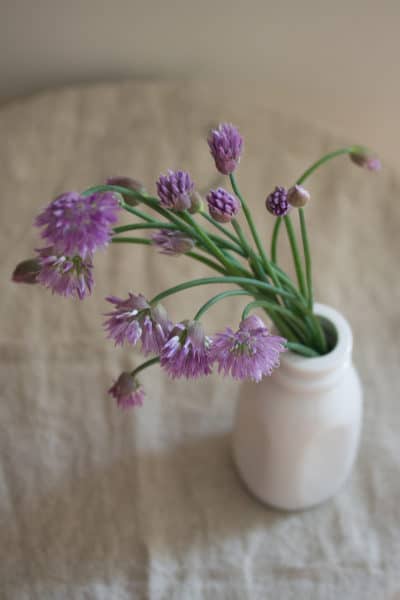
[296,433]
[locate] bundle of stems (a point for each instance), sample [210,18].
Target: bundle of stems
[239,257]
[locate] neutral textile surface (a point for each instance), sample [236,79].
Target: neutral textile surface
[100,503]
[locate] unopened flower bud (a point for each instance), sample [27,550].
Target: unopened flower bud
[172,242]
[197,204]
[175,190]
[298,196]
[366,161]
[223,207]
[276,203]
[226,146]
[26,271]
[131,184]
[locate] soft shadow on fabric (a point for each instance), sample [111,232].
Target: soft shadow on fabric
[132,513]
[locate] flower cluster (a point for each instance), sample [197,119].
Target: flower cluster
[74,226]
[185,350]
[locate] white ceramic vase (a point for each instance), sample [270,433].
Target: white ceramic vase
[296,433]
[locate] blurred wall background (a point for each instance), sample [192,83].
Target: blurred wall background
[336,63]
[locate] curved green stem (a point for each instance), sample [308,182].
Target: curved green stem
[148,363]
[206,261]
[276,308]
[213,280]
[348,150]
[217,298]
[327,157]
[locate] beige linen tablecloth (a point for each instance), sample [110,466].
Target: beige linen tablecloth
[100,503]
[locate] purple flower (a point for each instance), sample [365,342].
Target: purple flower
[249,353]
[130,184]
[223,207]
[26,271]
[133,319]
[79,225]
[172,242]
[277,203]
[65,275]
[174,190]
[366,161]
[186,352]
[156,328]
[127,391]
[226,145]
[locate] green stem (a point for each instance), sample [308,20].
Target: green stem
[276,308]
[144,365]
[274,241]
[152,225]
[250,221]
[296,256]
[213,280]
[206,261]
[266,263]
[161,225]
[131,240]
[307,258]
[179,219]
[301,349]
[209,244]
[327,157]
[217,298]
[243,241]
[137,213]
[194,255]
[220,227]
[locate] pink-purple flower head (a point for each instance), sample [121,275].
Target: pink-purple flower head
[175,190]
[226,146]
[77,224]
[65,275]
[127,391]
[249,353]
[172,242]
[223,207]
[186,352]
[277,203]
[133,319]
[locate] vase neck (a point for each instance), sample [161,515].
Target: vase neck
[322,370]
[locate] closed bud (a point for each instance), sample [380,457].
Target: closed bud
[364,160]
[298,196]
[26,271]
[131,184]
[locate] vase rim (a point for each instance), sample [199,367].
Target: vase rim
[340,354]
